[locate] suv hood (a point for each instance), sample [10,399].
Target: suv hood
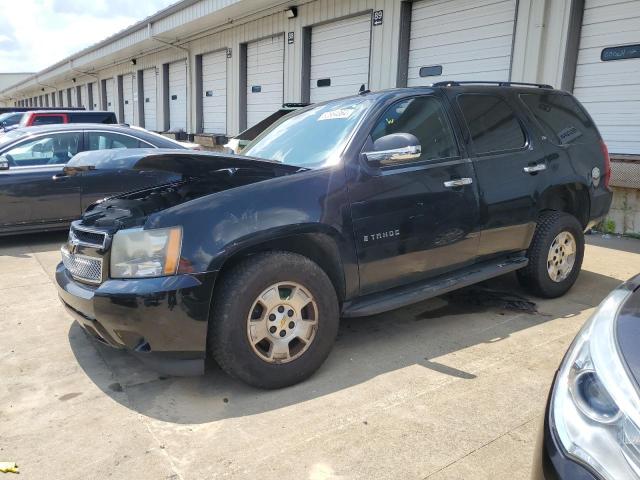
[190,164]
[203,174]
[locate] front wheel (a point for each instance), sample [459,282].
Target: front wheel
[555,255]
[274,320]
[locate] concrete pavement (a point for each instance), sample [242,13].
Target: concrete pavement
[439,390]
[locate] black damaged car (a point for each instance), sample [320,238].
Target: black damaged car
[348,208]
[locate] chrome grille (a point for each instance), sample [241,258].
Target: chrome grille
[82,267]
[90,238]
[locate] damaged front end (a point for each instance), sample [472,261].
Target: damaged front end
[125,279]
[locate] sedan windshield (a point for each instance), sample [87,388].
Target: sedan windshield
[312,137]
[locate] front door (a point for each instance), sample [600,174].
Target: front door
[34,189]
[414,220]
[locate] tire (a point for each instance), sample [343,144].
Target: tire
[250,289]
[537,276]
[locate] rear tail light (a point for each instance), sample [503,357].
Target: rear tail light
[606,174]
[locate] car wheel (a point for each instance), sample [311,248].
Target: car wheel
[274,319]
[555,255]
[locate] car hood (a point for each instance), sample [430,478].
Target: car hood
[628,328]
[187,163]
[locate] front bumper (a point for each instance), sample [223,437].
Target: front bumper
[163,321]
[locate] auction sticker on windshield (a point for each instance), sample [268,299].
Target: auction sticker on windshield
[336,114]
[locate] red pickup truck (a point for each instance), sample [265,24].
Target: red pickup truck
[49,117]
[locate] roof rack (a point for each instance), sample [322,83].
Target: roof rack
[451,83]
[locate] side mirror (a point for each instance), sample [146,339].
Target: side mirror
[394,149]
[4,162]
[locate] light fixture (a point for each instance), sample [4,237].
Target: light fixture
[73,80]
[291,12]
[133,61]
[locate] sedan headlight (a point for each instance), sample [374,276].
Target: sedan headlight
[595,407]
[139,253]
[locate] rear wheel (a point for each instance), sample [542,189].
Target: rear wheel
[274,319]
[555,255]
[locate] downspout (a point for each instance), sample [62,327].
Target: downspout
[189,71]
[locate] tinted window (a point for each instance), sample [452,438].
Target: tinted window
[109,140]
[54,149]
[561,118]
[492,123]
[89,117]
[425,118]
[47,119]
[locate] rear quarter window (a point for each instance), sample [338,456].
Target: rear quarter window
[561,117]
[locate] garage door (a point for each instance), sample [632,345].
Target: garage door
[127,99]
[610,89]
[149,92]
[110,93]
[178,96]
[84,96]
[340,58]
[265,78]
[214,92]
[460,40]
[92,96]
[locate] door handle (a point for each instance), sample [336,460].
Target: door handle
[458,182]
[535,168]
[59,177]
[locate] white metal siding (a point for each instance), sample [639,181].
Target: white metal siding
[111,101]
[214,92]
[149,92]
[611,90]
[340,54]
[178,96]
[127,99]
[470,39]
[265,71]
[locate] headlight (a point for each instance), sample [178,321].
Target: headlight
[145,253]
[595,408]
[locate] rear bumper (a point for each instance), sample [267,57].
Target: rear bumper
[601,199]
[163,321]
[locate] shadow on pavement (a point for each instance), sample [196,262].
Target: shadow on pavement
[21,245]
[365,348]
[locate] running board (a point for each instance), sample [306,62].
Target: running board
[398,297]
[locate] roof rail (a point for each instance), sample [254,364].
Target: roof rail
[452,83]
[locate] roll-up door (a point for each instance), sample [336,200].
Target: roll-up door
[149,100]
[608,73]
[461,40]
[127,99]
[110,94]
[214,92]
[265,78]
[340,54]
[92,95]
[178,96]
[84,94]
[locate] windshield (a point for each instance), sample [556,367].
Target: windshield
[10,136]
[312,137]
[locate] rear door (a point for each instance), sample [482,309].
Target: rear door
[34,189]
[101,183]
[419,219]
[511,165]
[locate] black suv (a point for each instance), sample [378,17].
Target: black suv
[347,208]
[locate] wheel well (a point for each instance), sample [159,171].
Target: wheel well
[571,198]
[319,248]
